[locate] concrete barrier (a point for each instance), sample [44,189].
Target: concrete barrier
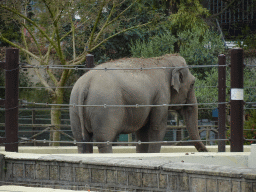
[116,149]
[252,157]
[190,171]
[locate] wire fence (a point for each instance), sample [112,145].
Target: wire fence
[111,69]
[26,106]
[74,142]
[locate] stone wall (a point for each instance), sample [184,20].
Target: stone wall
[81,172]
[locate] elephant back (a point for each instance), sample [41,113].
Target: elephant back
[169,60]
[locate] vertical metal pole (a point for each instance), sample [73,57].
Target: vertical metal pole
[237,100]
[130,139]
[222,98]
[90,61]
[11,99]
[34,122]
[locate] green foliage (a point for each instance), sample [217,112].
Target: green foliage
[249,128]
[2,96]
[2,92]
[250,41]
[119,46]
[31,94]
[207,92]
[200,47]
[250,124]
[250,84]
[155,39]
[189,16]
[10,30]
[155,46]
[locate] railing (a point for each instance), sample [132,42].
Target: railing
[237,103]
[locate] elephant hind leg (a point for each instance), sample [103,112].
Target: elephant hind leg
[77,133]
[142,135]
[85,148]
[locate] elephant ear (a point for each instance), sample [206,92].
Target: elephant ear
[177,79]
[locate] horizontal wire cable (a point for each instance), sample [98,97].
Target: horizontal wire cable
[38,109]
[136,105]
[27,140]
[132,142]
[178,128]
[110,69]
[69,87]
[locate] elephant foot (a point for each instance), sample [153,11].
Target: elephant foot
[105,148]
[85,148]
[201,147]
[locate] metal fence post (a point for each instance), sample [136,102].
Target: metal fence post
[222,98]
[237,100]
[34,122]
[11,99]
[90,60]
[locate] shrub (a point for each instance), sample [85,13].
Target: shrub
[250,127]
[200,47]
[156,46]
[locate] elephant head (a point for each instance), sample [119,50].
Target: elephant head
[182,92]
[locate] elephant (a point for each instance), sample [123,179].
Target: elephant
[158,81]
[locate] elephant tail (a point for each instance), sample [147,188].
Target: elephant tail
[81,109]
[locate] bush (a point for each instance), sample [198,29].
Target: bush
[156,46]
[250,127]
[200,47]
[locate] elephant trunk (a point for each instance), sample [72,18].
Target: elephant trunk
[190,114]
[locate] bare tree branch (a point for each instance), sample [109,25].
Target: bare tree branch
[32,22]
[19,47]
[96,24]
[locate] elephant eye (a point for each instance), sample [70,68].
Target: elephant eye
[192,85]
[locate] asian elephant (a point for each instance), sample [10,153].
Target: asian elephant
[130,87]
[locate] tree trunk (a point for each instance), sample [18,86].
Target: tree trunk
[56,117]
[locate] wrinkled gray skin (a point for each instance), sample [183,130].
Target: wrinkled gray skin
[130,87]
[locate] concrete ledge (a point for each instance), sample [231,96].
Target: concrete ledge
[14,188]
[222,159]
[128,172]
[116,149]
[252,157]
[185,171]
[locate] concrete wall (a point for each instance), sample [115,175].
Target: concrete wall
[126,172]
[116,149]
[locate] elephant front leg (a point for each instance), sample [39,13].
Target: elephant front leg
[153,131]
[157,127]
[156,133]
[105,148]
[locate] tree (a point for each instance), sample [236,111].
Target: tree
[62,32]
[142,12]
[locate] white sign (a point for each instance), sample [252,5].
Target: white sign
[237,94]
